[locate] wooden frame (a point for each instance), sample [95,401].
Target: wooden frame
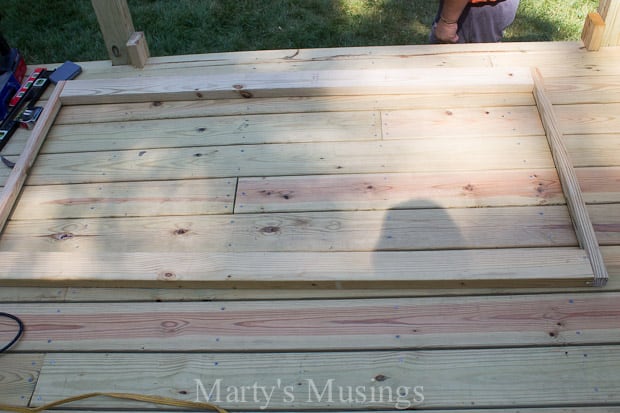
[476,268]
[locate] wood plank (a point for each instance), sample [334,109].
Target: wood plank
[122,199]
[603,118]
[403,190]
[534,377]
[606,222]
[593,31]
[448,121]
[424,155]
[370,324]
[116,26]
[594,150]
[610,11]
[19,173]
[592,89]
[423,229]
[137,49]
[532,267]
[600,185]
[300,83]
[79,114]
[214,131]
[570,184]
[610,253]
[19,376]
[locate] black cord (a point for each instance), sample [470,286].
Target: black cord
[20,324]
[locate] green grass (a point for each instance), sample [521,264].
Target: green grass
[55,30]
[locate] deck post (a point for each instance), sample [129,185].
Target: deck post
[117,28]
[610,12]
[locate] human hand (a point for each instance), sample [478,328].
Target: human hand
[446,32]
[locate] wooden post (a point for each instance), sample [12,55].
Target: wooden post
[116,26]
[610,12]
[137,49]
[593,32]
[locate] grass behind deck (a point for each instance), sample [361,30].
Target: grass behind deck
[64,30]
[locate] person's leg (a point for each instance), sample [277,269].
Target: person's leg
[485,23]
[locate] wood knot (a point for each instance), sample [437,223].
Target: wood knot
[381,377]
[180,231]
[62,236]
[156,103]
[246,94]
[468,188]
[167,276]
[270,229]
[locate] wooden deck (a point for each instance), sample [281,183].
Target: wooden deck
[336,190]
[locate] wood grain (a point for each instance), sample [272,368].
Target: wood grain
[21,170]
[403,190]
[371,324]
[427,155]
[299,83]
[570,184]
[18,377]
[533,267]
[215,131]
[317,231]
[542,377]
[122,199]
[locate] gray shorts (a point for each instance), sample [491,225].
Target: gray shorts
[483,23]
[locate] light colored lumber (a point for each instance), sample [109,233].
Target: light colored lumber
[215,131]
[610,12]
[596,118]
[400,190]
[116,26]
[72,294]
[594,89]
[601,150]
[20,172]
[448,121]
[541,377]
[530,267]
[593,31]
[520,410]
[570,184]
[311,83]
[370,324]
[137,49]
[600,185]
[606,222]
[18,377]
[122,199]
[422,229]
[422,155]
[227,107]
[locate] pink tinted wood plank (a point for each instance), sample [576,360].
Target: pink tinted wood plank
[410,190]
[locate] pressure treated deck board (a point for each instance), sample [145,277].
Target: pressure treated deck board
[436,155]
[402,190]
[594,150]
[324,82]
[215,131]
[541,377]
[589,118]
[370,324]
[593,89]
[479,121]
[121,199]
[534,267]
[80,114]
[423,229]
[600,185]
[18,376]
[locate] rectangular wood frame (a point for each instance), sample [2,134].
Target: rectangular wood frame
[549,267]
